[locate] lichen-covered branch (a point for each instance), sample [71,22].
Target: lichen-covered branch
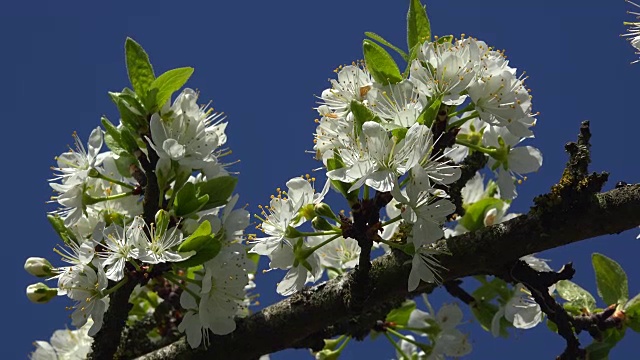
[488,251]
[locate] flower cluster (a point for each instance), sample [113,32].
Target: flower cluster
[406,136]
[196,236]
[65,344]
[441,329]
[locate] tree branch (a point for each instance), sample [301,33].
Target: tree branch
[548,225]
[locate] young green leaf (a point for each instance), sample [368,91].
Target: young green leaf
[129,115]
[428,115]
[162,220]
[384,42]
[189,200]
[599,350]
[112,137]
[611,280]
[165,85]
[139,68]
[473,218]
[205,244]
[342,187]
[575,295]
[418,27]
[400,316]
[218,189]
[380,64]
[361,114]
[58,225]
[484,312]
[632,312]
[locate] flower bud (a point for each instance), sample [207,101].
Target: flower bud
[40,293]
[39,267]
[323,209]
[319,223]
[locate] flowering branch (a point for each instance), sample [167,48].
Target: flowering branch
[486,251]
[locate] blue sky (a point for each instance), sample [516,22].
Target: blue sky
[262,63]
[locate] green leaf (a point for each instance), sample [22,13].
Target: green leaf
[428,115]
[195,240]
[611,279]
[139,68]
[575,295]
[473,218]
[418,27]
[342,187]
[58,225]
[112,137]
[400,315]
[361,114]
[165,85]
[445,39]
[124,162]
[384,42]
[205,244]
[188,200]
[162,220]
[599,350]
[632,312]
[489,290]
[129,115]
[380,64]
[399,134]
[218,189]
[484,313]
[133,101]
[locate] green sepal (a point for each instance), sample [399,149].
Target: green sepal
[380,64]
[400,315]
[576,296]
[320,223]
[418,26]
[188,200]
[384,42]
[473,218]
[138,67]
[218,190]
[65,234]
[611,280]
[164,86]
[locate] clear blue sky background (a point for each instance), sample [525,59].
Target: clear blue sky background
[262,62]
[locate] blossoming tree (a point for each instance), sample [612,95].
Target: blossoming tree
[426,151]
